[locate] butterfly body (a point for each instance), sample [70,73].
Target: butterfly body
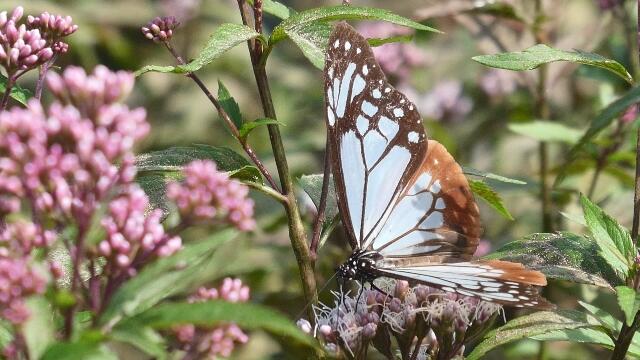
[404,201]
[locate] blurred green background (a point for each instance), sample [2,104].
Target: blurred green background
[466,106]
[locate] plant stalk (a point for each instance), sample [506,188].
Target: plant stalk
[297,232]
[7,92]
[322,206]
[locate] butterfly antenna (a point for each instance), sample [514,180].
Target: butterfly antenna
[320,291]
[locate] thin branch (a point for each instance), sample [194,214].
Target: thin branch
[297,232]
[636,197]
[42,75]
[227,119]
[317,226]
[267,191]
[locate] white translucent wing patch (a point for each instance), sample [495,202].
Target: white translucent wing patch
[470,279]
[411,226]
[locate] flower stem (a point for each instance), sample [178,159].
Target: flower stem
[296,227]
[42,76]
[227,119]
[7,92]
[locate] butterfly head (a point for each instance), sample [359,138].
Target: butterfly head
[359,266]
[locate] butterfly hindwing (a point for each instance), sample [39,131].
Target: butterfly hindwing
[376,134]
[435,214]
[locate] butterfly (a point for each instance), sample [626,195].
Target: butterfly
[404,201]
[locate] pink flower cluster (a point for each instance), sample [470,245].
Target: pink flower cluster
[21,49]
[221,340]
[17,281]
[160,29]
[52,26]
[206,194]
[131,233]
[63,161]
[20,237]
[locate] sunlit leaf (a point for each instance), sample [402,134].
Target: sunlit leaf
[275,8]
[18,93]
[540,54]
[252,125]
[471,171]
[490,196]
[526,326]
[603,317]
[229,105]
[224,38]
[629,301]
[79,350]
[39,330]
[142,337]
[547,131]
[581,335]
[562,256]
[614,242]
[312,40]
[246,315]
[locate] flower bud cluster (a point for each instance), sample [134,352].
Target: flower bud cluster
[207,193]
[21,48]
[131,234]
[160,29]
[18,280]
[220,340]
[403,312]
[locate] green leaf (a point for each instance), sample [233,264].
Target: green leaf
[6,333]
[629,301]
[38,331]
[142,337]
[310,29]
[604,318]
[606,117]
[581,335]
[562,256]
[547,131]
[250,126]
[527,326]
[163,278]
[276,9]
[388,40]
[486,193]
[18,93]
[312,185]
[80,350]
[173,159]
[224,38]
[540,54]
[229,104]
[614,241]
[246,315]
[471,171]
[502,10]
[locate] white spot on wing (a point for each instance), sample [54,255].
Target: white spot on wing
[358,50]
[362,124]
[344,89]
[377,94]
[433,221]
[440,204]
[388,127]
[347,45]
[365,69]
[369,109]
[398,112]
[413,137]
[435,187]
[358,86]
[337,43]
[330,117]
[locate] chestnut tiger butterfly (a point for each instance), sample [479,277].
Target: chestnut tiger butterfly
[404,201]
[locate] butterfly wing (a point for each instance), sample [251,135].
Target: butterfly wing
[432,232]
[375,134]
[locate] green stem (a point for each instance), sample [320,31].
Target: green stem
[297,231]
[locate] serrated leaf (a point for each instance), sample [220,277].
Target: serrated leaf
[38,331]
[540,54]
[18,93]
[606,117]
[528,326]
[142,337]
[224,38]
[276,9]
[547,131]
[312,185]
[614,242]
[471,171]
[229,104]
[490,196]
[252,125]
[80,350]
[629,301]
[562,256]
[312,40]
[162,278]
[246,315]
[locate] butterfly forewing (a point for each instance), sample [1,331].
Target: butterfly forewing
[375,133]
